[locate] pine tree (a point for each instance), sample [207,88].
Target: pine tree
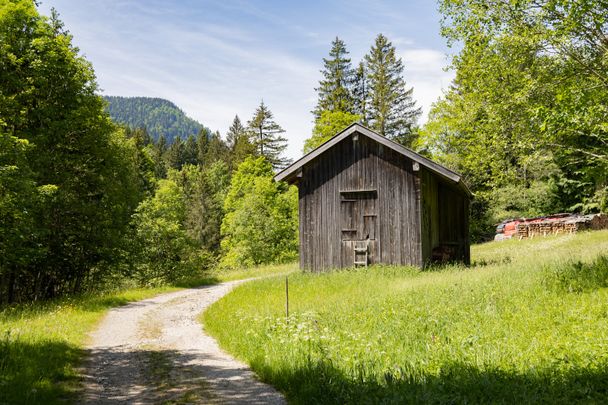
[174,157]
[203,145]
[239,142]
[334,89]
[392,110]
[267,135]
[191,150]
[360,93]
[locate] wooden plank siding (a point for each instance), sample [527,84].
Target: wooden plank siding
[445,218]
[385,206]
[360,188]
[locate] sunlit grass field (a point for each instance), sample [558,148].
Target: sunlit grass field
[255,272]
[527,322]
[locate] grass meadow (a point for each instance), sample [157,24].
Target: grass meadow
[526,322]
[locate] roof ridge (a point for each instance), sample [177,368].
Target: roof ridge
[361,129]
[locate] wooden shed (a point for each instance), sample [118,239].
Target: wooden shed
[364,199]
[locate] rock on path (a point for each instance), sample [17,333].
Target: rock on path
[154,351]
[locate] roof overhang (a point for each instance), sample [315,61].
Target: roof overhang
[292,173]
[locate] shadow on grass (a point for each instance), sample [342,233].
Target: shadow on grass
[40,374]
[37,373]
[117,376]
[197,282]
[455,384]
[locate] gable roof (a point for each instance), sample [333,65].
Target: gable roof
[289,174]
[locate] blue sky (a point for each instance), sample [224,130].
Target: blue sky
[215,59]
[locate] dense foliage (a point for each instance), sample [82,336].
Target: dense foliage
[328,125]
[261,221]
[157,115]
[525,120]
[68,178]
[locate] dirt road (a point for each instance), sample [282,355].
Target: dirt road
[154,351]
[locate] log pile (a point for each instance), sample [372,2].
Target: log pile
[523,228]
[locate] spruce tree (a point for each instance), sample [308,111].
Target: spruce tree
[334,89]
[191,150]
[161,145]
[158,155]
[239,142]
[392,110]
[360,93]
[203,145]
[174,157]
[267,135]
[217,150]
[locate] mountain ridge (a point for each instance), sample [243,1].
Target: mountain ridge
[158,115]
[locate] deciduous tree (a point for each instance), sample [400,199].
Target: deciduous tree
[260,222]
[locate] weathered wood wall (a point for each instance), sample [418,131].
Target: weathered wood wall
[445,219]
[359,188]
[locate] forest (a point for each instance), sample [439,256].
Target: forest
[88,204]
[160,117]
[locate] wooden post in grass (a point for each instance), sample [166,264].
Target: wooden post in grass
[287,297]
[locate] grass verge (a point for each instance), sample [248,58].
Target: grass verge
[527,322]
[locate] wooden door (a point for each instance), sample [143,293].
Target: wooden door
[359,221]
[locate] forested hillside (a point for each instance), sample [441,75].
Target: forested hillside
[157,115]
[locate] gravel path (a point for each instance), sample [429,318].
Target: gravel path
[154,351]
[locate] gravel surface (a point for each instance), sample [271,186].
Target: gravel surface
[154,351]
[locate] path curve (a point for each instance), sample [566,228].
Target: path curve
[154,351]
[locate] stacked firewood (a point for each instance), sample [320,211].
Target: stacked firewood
[599,221]
[523,228]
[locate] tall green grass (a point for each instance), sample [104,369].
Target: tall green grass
[527,322]
[255,272]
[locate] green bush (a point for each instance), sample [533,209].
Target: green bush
[261,221]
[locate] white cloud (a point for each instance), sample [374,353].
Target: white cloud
[218,59]
[424,70]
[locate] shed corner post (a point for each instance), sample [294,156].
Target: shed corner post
[419,230]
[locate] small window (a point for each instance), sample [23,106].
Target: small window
[358,194]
